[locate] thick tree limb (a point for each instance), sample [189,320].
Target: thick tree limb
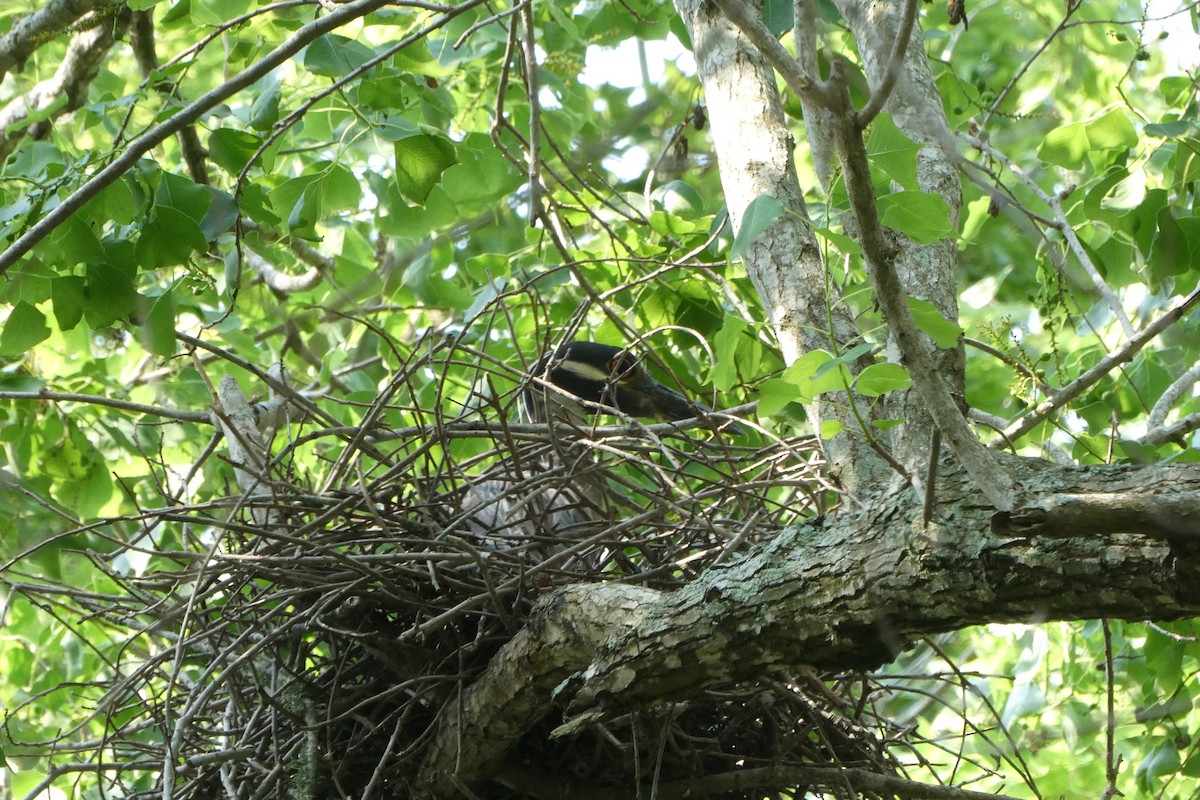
[766,779]
[31,32]
[834,594]
[58,95]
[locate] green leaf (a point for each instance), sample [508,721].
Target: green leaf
[110,295]
[1171,252]
[844,244]
[879,379]
[25,327]
[760,214]
[893,152]
[1175,89]
[1112,131]
[221,215]
[1185,166]
[931,322]
[157,331]
[72,242]
[169,238]
[335,56]
[68,294]
[774,394]
[677,197]
[922,216]
[1068,145]
[815,373]
[1161,761]
[264,113]
[183,195]
[481,174]
[420,162]
[778,16]
[232,149]
[325,189]
[1065,146]
[1170,130]
[725,346]
[1025,700]
[829,429]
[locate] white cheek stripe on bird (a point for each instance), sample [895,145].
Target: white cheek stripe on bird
[585,371]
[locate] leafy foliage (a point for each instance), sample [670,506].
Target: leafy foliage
[406,211]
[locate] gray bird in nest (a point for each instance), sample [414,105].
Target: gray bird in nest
[575,381]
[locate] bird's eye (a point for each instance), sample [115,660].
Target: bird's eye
[623,366]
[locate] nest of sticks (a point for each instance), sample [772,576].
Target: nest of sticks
[300,637]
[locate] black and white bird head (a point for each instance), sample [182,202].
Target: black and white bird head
[605,375]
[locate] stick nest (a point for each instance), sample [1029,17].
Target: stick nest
[302,637]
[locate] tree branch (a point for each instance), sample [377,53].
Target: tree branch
[784,262]
[31,32]
[180,120]
[59,95]
[883,91]
[1106,365]
[766,779]
[878,254]
[749,22]
[1063,226]
[837,593]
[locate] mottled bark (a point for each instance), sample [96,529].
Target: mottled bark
[754,149]
[836,594]
[926,271]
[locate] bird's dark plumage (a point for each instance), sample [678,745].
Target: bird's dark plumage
[575,371]
[607,375]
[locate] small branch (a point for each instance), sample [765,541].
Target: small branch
[59,95]
[751,25]
[895,63]
[1071,7]
[935,452]
[1173,516]
[1008,361]
[1063,226]
[1112,765]
[1158,414]
[281,281]
[31,32]
[1107,364]
[124,405]
[138,148]
[141,40]
[879,254]
[532,84]
[1170,433]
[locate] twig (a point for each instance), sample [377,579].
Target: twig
[1171,432]
[751,25]
[189,114]
[1063,226]
[1158,414]
[1112,766]
[1106,365]
[878,254]
[110,402]
[895,64]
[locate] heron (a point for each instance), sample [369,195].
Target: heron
[566,385]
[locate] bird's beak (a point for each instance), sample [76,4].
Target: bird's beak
[645,397]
